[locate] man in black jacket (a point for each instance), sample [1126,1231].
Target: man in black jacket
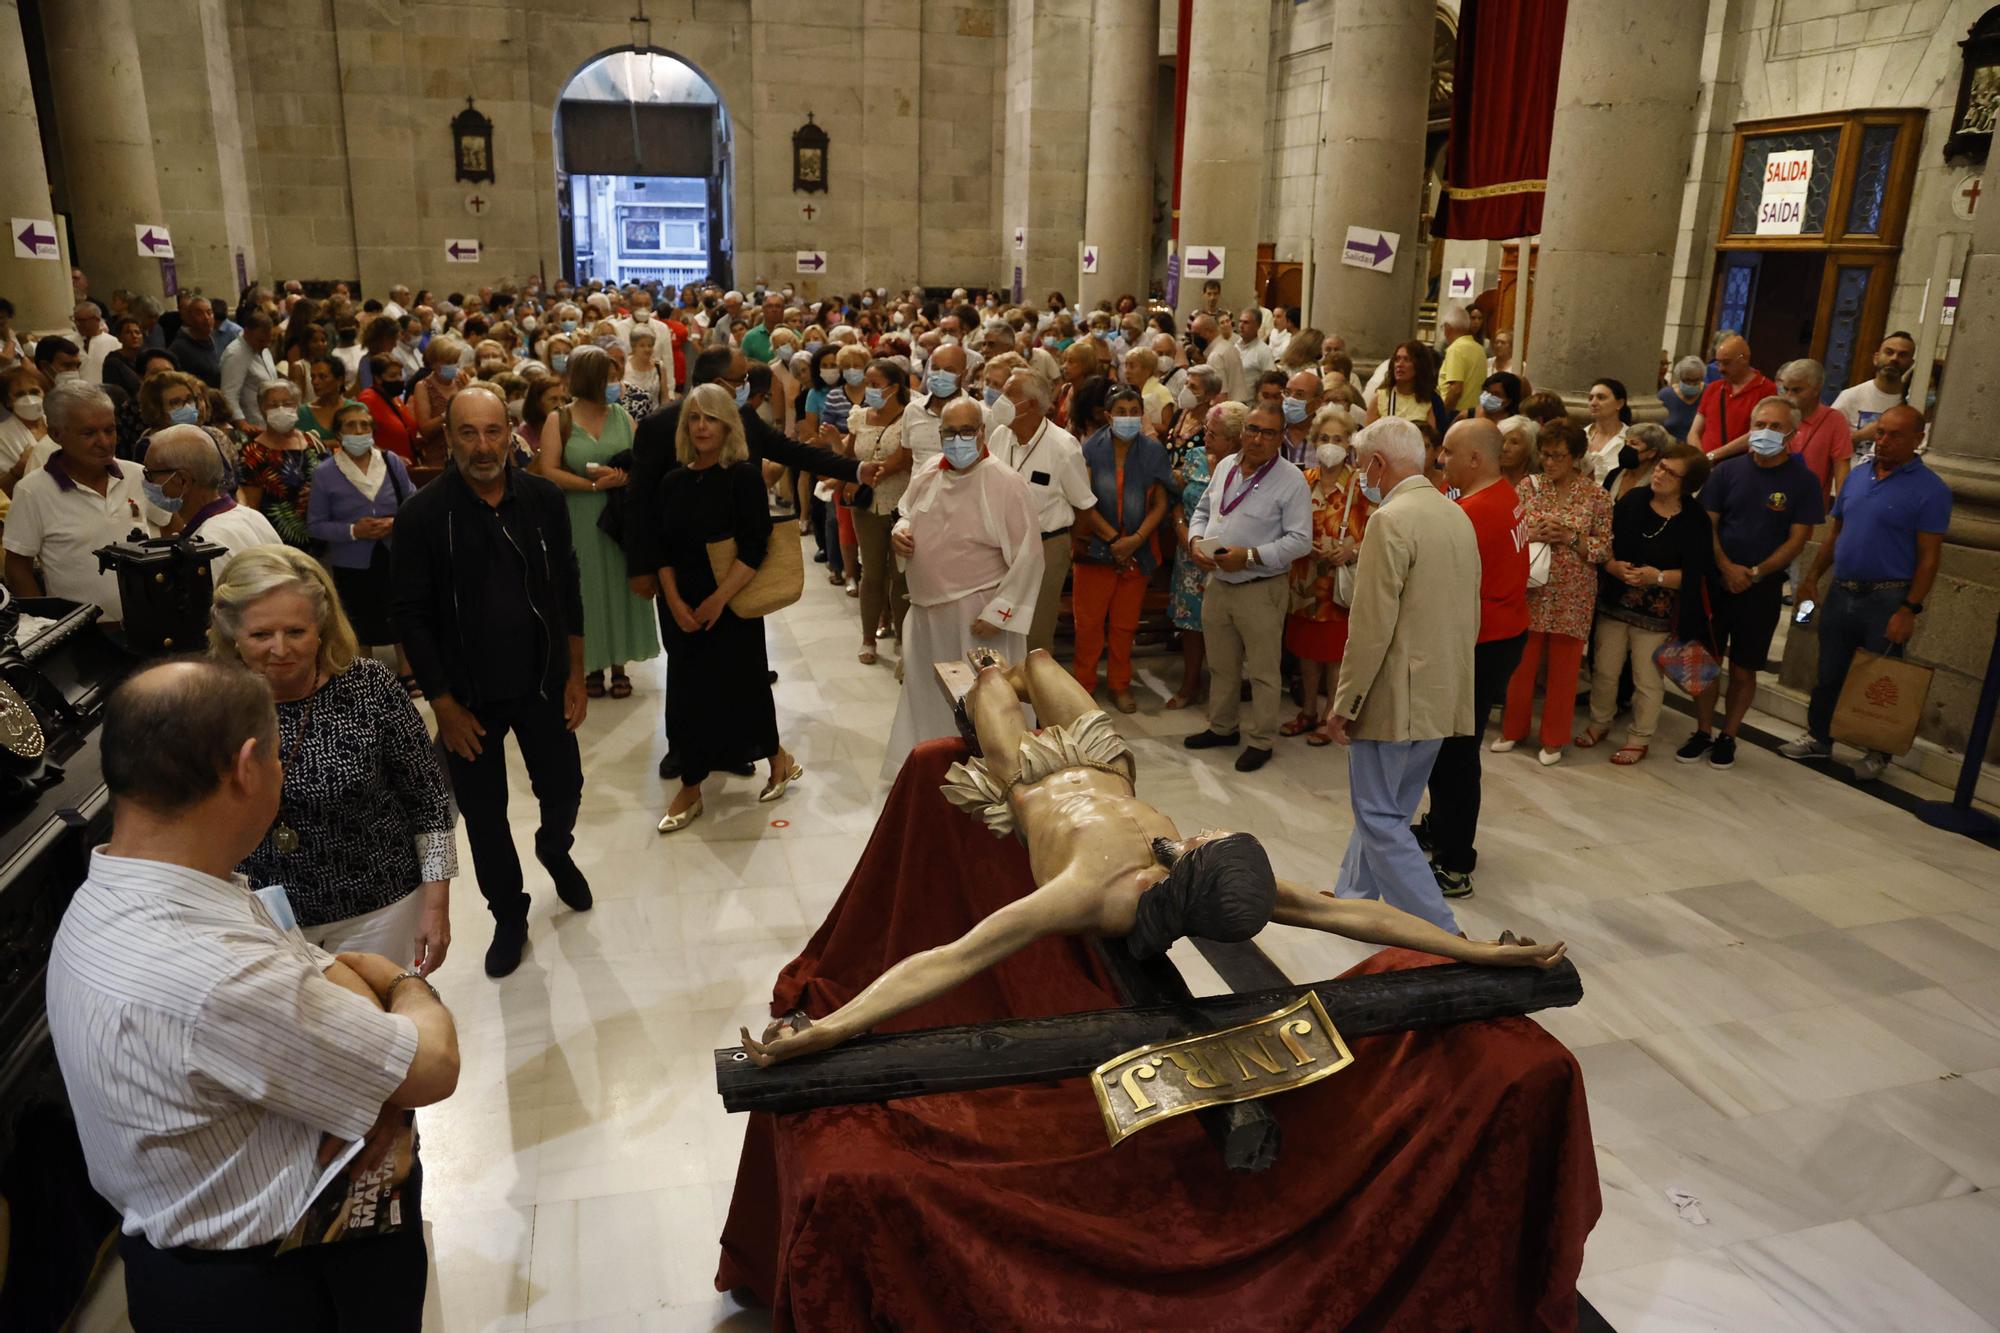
[653,457]
[490,610]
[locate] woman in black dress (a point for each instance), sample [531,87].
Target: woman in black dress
[720,713]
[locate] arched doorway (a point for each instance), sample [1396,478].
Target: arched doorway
[642,171]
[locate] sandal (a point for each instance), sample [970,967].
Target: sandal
[1299,725]
[1591,736]
[410,687]
[1318,738]
[867,657]
[593,685]
[621,685]
[1629,754]
[1176,702]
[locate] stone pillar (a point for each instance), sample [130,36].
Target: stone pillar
[1222,150]
[1618,164]
[1048,75]
[39,288]
[1965,441]
[1118,183]
[1371,170]
[107,141]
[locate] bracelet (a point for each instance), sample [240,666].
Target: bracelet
[407,975]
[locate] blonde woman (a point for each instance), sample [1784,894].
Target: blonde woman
[877,432]
[720,714]
[433,394]
[363,841]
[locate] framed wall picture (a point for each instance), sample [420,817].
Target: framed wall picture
[1978,91]
[809,147]
[472,144]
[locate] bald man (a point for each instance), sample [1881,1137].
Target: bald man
[943,384]
[183,476]
[1726,404]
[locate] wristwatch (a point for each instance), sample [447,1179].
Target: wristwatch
[1914,608]
[1755,573]
[407,975]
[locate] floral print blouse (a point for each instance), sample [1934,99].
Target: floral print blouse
[1564,604]
[1337,511]
[280,475]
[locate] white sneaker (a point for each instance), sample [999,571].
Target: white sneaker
[1870,765]
[1550,758]
[1501,746]
[1806,747]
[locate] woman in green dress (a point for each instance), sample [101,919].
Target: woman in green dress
[589,464]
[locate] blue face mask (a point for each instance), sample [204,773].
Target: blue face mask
[448,371]
[1688,392]
[187,414]
[743,394]
[852,374]
[559,362]
[871,397]
[612,392]
[961,451]
[157,497]
[813,347]
[569,326]
[1490,402]
[1294,410]
[1767,443]
[943,384]
[1126,428]
[992,395]
[357,445]
[1371,492]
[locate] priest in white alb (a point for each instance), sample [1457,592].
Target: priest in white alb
[973,555]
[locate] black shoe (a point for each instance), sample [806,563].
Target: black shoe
[1252,759]
[1210,740]
[741,770]
[504,954]
[670,765]
[819,557]
[1421,831]
[1452,883]
[571,886]
[771,678]
[1724,753]
[1695,747]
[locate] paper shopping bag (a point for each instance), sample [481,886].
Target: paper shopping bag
[1881,703]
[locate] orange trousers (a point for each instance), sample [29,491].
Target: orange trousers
[1565,655]
[1101,593]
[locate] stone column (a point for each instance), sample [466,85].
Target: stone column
[107,140]
[1618,163]
[1118,183]
[1048,75]
[39,288]
[1222,151]
[1965,441]
[1371,170]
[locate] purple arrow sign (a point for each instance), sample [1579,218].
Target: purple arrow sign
[1376,252]
[457,251]
[35,240]
[154,241]
[1090,256]
[1204,260]
[814,262]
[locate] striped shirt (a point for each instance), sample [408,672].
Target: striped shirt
[205,1053]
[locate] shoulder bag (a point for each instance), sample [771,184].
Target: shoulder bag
[1540,555]
[779,581]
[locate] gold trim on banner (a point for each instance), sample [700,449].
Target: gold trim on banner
[1274,1053]
[1490,191]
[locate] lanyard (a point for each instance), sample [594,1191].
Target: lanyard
[1018,463]
[221,504]
[1229,506]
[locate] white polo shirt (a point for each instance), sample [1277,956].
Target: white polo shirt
[59,525]
[236,529]
[1052,463]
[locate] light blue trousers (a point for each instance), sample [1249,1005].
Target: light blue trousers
[1385,782]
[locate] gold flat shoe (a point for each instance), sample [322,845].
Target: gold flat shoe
[674,823]
[777,789]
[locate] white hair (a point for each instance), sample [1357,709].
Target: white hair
[1804,366]
[1032,381]
[70,400]
[1530,428]
[1690,366]
[1453,315]
[1398,441]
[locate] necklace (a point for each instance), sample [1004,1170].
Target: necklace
[1663,524]
[283,836]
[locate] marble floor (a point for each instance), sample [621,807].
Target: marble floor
[1791,1014]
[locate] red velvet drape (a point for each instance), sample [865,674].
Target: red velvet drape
[1503,107]
[1443,1181]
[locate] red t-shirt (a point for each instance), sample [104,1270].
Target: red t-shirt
[1732,406]
[1495,512]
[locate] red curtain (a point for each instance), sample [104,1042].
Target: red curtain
[1444,1181]
[1503,106]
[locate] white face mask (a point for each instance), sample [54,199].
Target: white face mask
[282,419]
[1331,454]
[28,407]
[1185,399]
[1002,413]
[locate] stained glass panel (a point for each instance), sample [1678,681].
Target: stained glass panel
[1871,180]
[1739,284]
[1824,144]
[1850,295]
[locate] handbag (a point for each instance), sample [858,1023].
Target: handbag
[1881,702]
[1541,556]
[1688,663]
[779,581]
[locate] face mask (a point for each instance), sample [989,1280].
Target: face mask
[1002,414]
[448,371]
[559,362]
[357,445]
[1331,455]
[743,393]
[943,383]
[812,348]
[1294,410]
[516,408]
[992,395]
[491,367]
[281,419]
[157,497]
[612,391]
[1185,399]
[642,316]
[569,326]
[1126,428]
[187,414]
[961,451]
[1371,492]
[530,324]
[1767,443]
[852,374]
[69,377]
[1628,457]
[871,397]
[867,301]
[28,407]
[1688,391]
[1490,403]
[829,375]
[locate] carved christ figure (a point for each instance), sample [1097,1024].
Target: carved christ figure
[1105,863]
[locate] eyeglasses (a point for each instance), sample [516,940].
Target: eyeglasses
[1261,433]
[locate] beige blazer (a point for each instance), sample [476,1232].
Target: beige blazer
[1407,675]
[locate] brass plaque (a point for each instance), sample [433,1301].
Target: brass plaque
[1288,1049]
